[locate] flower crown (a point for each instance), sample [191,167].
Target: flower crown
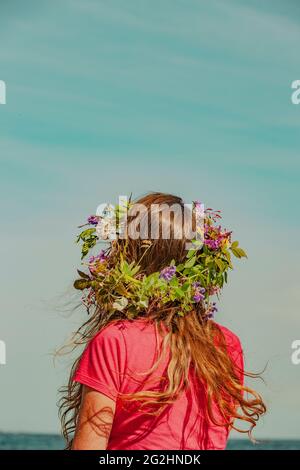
[119,286]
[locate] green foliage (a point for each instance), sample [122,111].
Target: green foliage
[123,287]
[237,251]
[89,239]
[81,284]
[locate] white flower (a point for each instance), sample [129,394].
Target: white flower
[106,227]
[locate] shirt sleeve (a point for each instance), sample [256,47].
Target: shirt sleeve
[101,366]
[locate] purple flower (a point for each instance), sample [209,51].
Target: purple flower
[93,260]
[212,244]
[101,257]
[199,292]
[167,273]
[214,290]
[93,220]
[198,297]
[214,237]
[212,309]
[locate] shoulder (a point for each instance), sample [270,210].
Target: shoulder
[108,338]
[234,350]
[233,342]
[121,330]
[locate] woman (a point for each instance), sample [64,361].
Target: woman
[157,371]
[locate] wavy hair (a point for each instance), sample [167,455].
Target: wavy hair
[191,340]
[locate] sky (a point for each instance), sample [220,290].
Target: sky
[108,98]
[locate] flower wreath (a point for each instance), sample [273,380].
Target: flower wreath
[120,286]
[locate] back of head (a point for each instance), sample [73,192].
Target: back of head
[156,231]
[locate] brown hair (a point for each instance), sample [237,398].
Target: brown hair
[191,340]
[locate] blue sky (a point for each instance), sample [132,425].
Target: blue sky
[108,98]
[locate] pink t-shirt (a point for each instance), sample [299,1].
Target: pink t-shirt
[116,360]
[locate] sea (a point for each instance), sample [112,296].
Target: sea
[19,441]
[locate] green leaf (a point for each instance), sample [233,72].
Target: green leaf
[197,243]
[174,281]
[220,264]
[190,254]
[83,275]
[185,286]
[207,260]
[86,234]
[143,303]
[135,270]
[87,245]
[180,268]
[238,252]
[190,263]
[179,292]
[81,284]
[242,253]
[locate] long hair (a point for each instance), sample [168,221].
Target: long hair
[192,340]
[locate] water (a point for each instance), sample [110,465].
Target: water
[20,441]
